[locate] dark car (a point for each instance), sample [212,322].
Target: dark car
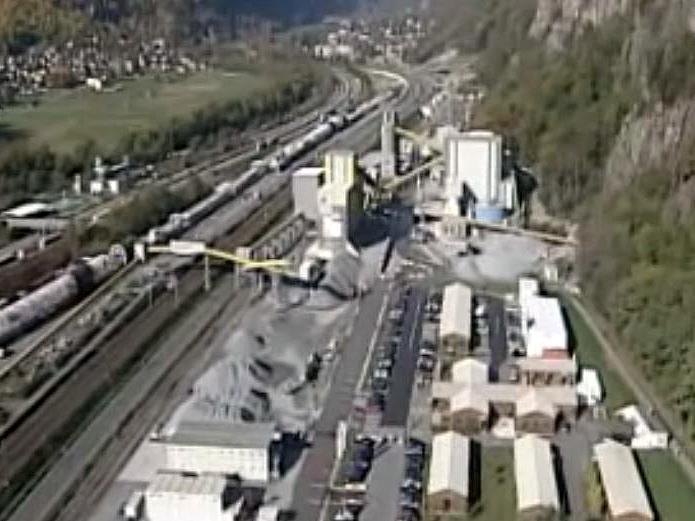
[408,514]
[413,472]
[410,497]
[364,453]
[357,472]
[380,384]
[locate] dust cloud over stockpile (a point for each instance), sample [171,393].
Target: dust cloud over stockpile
[260,373]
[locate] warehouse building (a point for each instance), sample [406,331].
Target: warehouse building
[455,321]
[448,489]
[543,328]
[179,497]
[536,484]
[625,494]
[222,448]
[306,186]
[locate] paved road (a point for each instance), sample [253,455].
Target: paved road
[398,401]
[312,483]
[498,335]
[383,486]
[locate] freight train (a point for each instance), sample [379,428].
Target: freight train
[26,313]
[178,223]
[23,315]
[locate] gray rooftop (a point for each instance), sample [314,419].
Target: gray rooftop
[224,434]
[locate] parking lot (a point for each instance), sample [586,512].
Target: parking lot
[381,478]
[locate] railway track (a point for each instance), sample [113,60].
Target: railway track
[68,409]
[53,334]
[28,444]
[33,443]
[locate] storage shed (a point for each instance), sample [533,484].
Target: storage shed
[455,321]
[625,494]
[449,482]
[536,483]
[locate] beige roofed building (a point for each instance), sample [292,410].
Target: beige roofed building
[455,320]
[536,484]
[449,481]
[622,484]
[469,411]
[535,413]
[469,371]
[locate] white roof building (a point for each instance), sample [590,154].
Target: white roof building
[544,328]
[456,312]
[449,466]
[643,436]
[178,497]
[536,485]
[474,159]
[622,482]
[470,371]
[222,448]
[589,387]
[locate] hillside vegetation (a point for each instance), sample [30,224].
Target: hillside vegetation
[27,22]
[605,114]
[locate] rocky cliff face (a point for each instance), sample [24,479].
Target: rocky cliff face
[557,21]
[651,141]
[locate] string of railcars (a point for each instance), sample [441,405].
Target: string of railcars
[178,223]
[264,176]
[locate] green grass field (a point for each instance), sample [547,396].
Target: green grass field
[590,354]
[672,494]
[497,486]
[65,119]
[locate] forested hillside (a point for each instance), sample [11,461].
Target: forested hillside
[600,96]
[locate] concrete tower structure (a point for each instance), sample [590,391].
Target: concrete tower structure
[389,145]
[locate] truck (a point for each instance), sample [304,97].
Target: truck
[132,509]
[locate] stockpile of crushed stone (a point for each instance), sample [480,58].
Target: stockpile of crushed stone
[260,373]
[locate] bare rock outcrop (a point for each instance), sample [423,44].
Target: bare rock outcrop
[557,21]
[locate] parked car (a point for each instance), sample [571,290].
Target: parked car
[385,363]
[344,515]
[411,484]
[381,374]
